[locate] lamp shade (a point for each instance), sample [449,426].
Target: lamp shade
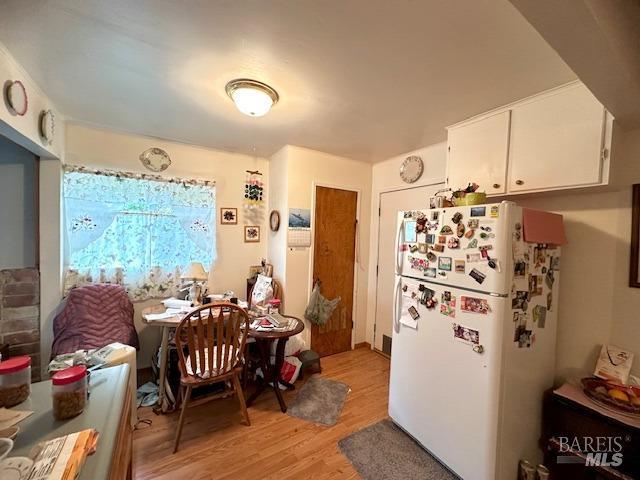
[195,271]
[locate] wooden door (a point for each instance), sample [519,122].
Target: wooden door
[333,263]
[477,152]
[556,141]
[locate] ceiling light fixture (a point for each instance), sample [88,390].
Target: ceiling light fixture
[251,97]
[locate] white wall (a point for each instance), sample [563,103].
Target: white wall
[304,170]
[278,200]
[385,178]
[18,199]
[100,148]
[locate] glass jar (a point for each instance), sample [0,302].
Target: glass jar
[15,381]
[69,391]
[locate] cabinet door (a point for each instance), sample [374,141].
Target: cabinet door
[556,141]
[477,152]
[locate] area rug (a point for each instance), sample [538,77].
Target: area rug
[320,400]
[383,451]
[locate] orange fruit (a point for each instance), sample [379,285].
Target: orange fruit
[618,395]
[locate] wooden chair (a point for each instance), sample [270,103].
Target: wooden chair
[214,342]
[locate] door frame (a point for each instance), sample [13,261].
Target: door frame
[429,183]
[358,257]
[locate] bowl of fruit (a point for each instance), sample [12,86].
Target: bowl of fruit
[623,399]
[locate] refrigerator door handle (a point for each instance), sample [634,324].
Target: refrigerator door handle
[396,307]
[399,252]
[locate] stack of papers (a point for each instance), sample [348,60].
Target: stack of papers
[271,323]
[62,458]
[8,418]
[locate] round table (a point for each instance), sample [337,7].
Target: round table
[264,339]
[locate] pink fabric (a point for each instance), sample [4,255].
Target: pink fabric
[94,316]
[543,227]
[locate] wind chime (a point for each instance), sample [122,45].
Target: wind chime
[253,188]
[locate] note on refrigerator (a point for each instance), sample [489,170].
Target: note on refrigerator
[409,313]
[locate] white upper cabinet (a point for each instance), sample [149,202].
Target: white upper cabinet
[477,152]
[555,140]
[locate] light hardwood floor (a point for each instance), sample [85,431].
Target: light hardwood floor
[217,445]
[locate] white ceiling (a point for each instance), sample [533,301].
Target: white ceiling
[366,79]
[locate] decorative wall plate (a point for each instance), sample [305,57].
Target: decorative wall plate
[411,169]
[274,220]
[47,126]
[155,159]
[17,97]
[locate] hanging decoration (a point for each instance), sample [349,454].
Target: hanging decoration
[253,188]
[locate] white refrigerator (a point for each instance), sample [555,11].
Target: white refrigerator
[474,337]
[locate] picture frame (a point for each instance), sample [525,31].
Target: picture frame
[228,216]
[634,261]
[251,234]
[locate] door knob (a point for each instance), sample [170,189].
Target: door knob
[496,185]
[519,182]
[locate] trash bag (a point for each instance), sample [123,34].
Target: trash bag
[319,309]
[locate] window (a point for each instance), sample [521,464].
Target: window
[135,230]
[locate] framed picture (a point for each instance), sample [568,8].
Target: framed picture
[634,266]
[251,234]
[228,216]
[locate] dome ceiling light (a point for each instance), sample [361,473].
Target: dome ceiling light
[251,97]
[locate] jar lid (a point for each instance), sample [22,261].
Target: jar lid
[69,375]
[14,364]
[274,301]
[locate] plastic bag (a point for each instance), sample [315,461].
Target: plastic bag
[319,309]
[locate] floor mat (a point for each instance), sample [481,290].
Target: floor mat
[320,400]
[383,451]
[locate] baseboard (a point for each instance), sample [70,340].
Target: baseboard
[381,353]
[362,345]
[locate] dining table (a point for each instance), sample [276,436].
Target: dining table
[264,340]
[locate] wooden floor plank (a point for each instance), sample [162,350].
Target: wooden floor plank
[217,445]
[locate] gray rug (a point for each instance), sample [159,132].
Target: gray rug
[384,452]
[320,400]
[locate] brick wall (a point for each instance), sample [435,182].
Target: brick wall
[20,314]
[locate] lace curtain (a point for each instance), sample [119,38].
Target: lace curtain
[136,230]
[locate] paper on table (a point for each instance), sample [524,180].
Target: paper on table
[8,417]
[405,316]
[150,317]
[543,227]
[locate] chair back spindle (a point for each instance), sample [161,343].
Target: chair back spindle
[210,340]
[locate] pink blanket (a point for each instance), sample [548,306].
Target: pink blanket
[93,316]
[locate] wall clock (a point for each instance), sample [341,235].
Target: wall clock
[17,97]
[155,159]
[411,169]
[274,220]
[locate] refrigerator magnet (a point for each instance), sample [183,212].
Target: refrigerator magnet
[478,211]
[469,233]
[460,230]
[446,230]
[473,243]
[453,242]
[474,257]
[474,305]
[459,266]
[430,272]
[410,234]
[413,312]
[465,334]
[444,263]
[438,247]
[473,223]
[477,275]
[456,218]
[495,212]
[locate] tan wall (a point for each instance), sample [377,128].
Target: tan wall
[99,148]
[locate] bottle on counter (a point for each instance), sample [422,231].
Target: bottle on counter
[15,381]
[69,391]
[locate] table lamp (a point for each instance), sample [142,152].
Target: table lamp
[196,274]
